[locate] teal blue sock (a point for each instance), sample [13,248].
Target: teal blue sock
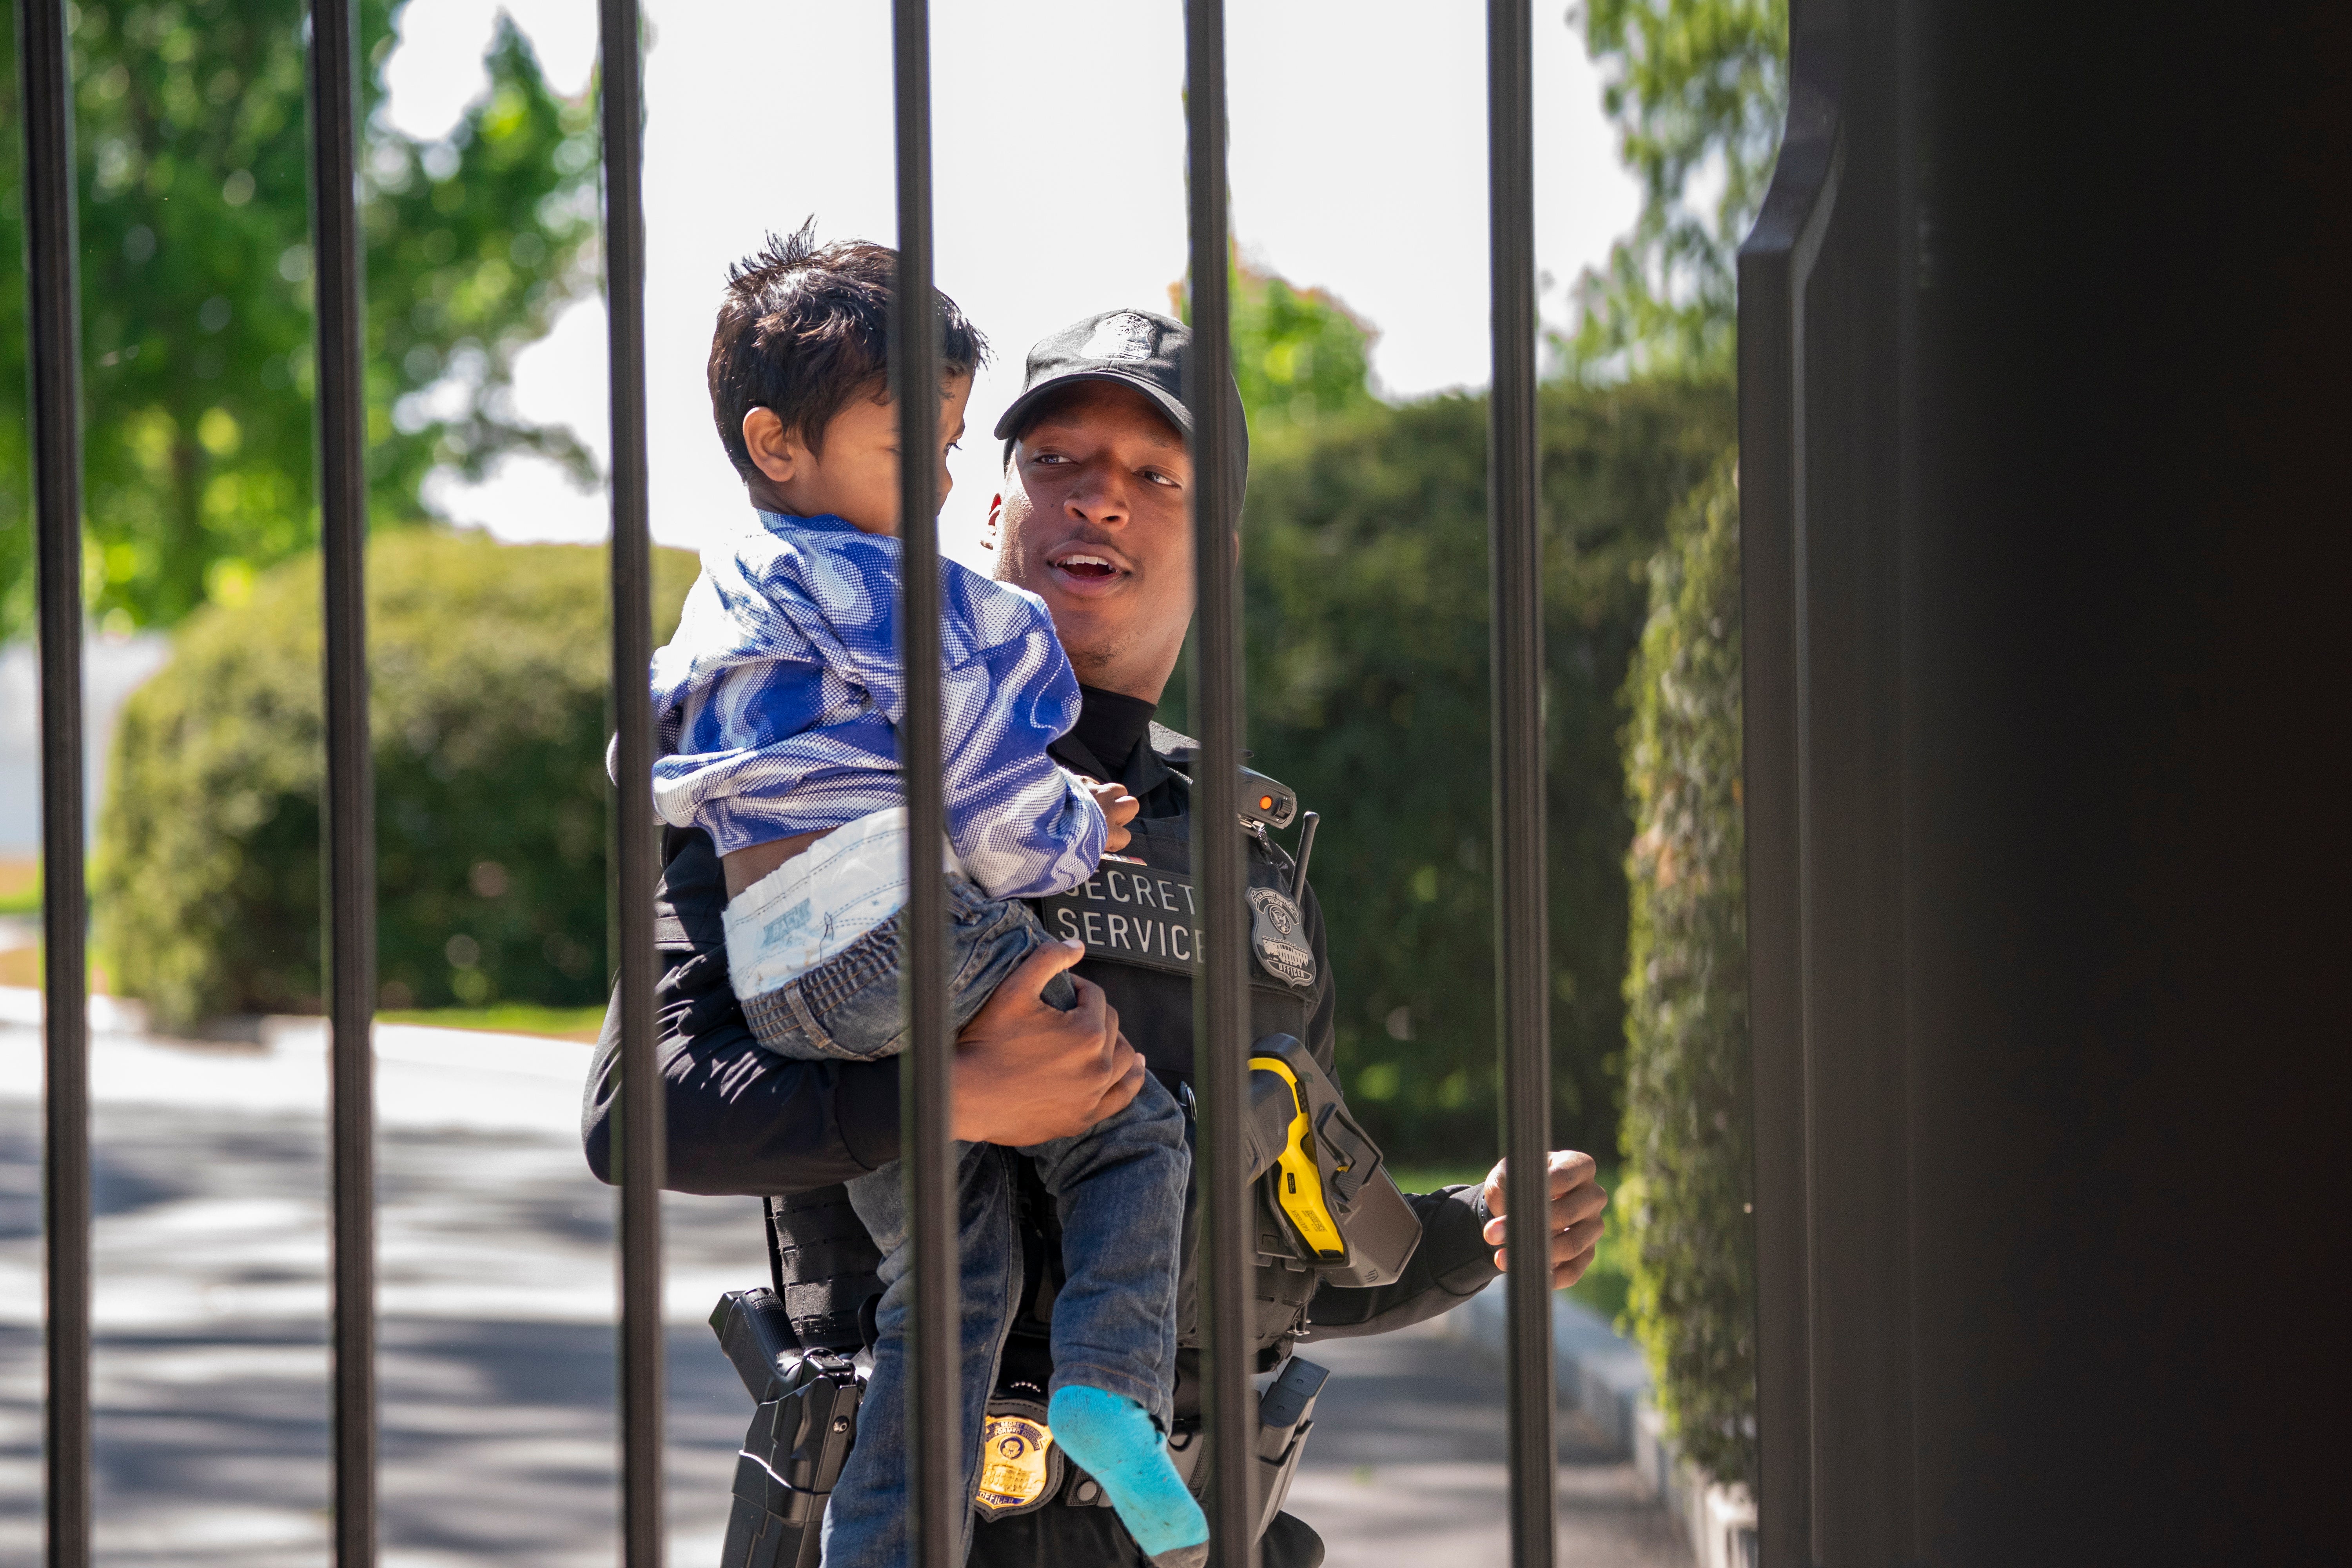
[1113,1438]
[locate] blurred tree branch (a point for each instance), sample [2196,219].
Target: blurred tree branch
[192,139]
[1698,90]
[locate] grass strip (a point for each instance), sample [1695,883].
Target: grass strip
[509,1018]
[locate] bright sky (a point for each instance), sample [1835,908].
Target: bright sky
[1358,164]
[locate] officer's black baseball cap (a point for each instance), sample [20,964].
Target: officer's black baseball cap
[1133,349]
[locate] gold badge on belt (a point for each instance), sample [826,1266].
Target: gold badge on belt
[1016,1467]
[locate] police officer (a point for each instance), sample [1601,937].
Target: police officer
[1093,518]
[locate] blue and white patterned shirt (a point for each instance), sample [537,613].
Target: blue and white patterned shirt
[776,705]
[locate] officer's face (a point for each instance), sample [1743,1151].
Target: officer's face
[1094,519]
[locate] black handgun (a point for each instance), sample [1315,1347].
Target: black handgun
[800,1437]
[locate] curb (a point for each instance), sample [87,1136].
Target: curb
[25,1005]
[426,1076]
[1604,1374]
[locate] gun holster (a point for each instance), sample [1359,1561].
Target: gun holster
[1284,1419]
[801,1432]
[1331,1203]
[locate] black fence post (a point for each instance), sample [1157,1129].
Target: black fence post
[1220,1026]
[53,329]
[350,784]
[642,1144]
[1522,946]
[934,1359]
[2043,549]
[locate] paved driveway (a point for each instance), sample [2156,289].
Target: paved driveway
[498,1305]
[1406,1467]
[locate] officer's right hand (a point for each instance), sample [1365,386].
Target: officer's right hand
[1026,1072]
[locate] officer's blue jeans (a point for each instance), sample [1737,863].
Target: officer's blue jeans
[1118,1190]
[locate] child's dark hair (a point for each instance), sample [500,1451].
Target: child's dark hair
[804,328]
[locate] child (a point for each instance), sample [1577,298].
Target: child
[776,706]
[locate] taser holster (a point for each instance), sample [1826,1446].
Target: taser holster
[799,1435]
[1329,1202]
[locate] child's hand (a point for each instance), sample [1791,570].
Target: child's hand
[1118,807]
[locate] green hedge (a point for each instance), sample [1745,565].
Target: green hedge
[489,666]
[1365,570]
[1688,1153]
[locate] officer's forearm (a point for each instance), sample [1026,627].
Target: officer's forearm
[1452,1264]
[743,1120]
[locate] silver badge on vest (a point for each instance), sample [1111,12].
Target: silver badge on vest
[1278,937]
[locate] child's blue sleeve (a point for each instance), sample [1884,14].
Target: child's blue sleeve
[1022,824]
[775,704]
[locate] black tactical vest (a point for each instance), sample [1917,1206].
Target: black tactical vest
[1137,921]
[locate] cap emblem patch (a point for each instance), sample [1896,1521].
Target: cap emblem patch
[1122,336]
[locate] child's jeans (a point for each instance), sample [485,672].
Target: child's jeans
[1119,1191]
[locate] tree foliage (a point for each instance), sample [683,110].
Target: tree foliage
[1299,354]
[488,667]
[1687,1140]
[196,292]
[1364,565]
[1698,90]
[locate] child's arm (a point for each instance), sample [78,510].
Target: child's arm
[1024,826]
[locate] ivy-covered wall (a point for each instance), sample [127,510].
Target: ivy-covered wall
[1689,1168]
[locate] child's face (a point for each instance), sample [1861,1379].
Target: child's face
[855,476]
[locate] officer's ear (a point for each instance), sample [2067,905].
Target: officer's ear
[995,523]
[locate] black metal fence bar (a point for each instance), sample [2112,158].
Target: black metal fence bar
[53,329]
[642,1146]
[1221,1027]
[351,784]
[1222,1013]
[934,1359]
[1523,978]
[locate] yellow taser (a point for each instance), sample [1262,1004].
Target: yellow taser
[1323,1175]
[1298,1178]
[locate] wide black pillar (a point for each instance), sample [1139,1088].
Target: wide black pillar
[2044,342]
